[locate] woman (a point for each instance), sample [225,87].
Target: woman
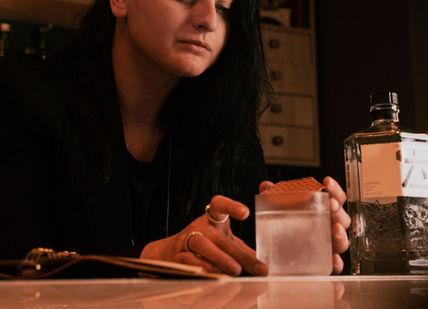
[149,116]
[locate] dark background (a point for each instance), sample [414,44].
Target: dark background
[365,46]
[362,46]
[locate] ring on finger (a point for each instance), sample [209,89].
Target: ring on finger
[211,219]
[187,239]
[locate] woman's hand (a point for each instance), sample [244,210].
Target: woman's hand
[340,220]
[210,245]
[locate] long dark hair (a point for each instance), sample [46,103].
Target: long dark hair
[212,117]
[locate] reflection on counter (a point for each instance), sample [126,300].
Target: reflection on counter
[387,294]
[305,295]
[273,292]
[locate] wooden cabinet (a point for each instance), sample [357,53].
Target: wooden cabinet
[289,127]
[56,12]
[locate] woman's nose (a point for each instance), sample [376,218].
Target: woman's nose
[204,15]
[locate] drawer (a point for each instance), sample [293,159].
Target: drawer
[288,143]
[287,47]
[294,79]
[290,110]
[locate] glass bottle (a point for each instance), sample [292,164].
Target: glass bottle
[43,40]
[4,40]
[387,187]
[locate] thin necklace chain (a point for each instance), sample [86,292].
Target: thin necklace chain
[168,187]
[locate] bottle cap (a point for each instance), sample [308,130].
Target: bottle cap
[384,98]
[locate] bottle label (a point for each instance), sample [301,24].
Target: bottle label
[394,169]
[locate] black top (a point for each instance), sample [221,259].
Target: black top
[51,191]
[150,212]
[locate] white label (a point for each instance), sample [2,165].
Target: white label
[414,168]
[415,136]
[394,169]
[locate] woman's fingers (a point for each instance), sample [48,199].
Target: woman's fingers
[204,247]
[226,253]
[265,184]
[191,259]
[340,240]
[337,264]
[245,257]
[335,190]
[215,243]
[340,221]
[338,214]
[221,205]
[244,246]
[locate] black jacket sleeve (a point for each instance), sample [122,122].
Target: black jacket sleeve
[43,170]
[252,174]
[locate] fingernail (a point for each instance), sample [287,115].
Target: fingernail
[261,269]
[337,230]
[334,205]
[244,212]
[234,269]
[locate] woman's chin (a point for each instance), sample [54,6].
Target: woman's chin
[192,70]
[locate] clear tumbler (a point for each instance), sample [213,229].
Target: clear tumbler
[293,233]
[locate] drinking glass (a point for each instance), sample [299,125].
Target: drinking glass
[293,233]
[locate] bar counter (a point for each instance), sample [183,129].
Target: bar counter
[246,292]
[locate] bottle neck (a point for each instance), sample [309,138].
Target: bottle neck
[384,115]
[3,43]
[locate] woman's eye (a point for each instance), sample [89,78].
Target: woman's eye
[221,8]
[224,11]
[187,1]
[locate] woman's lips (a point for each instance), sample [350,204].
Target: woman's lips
[195,45]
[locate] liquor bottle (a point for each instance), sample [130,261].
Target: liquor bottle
[387,187]
[43,40]
[4,40]
[39,41]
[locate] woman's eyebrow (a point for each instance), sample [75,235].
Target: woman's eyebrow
[227,3]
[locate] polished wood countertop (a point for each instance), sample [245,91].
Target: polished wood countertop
[246,292]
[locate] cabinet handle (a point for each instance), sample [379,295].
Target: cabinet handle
[277,140]
[276,75]
[274,44]
[276,108]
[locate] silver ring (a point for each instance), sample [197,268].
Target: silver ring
[187,239]
[212,220]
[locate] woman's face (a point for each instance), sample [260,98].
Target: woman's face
[181,37]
